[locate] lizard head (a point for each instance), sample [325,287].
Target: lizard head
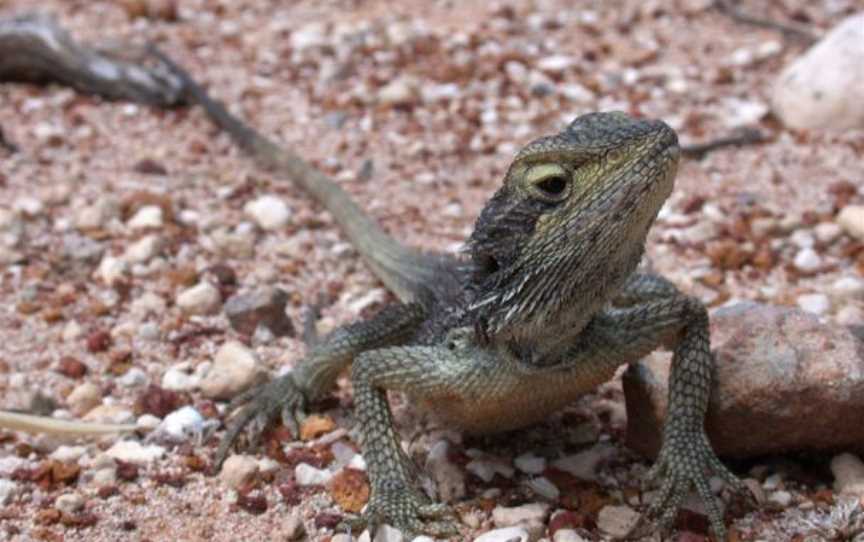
[569,223]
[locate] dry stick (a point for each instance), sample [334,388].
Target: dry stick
[730,9]
[697,151]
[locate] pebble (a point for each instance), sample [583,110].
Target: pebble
[309,36]
[567,535]
[8,490]
[781,498]
[814,303]
[544,487]
[824,88]
[112,270]
[183,424]
[69,503]
[148,303]
[556,63]
[83,398]
[269,212]
[263,307]
[235,368]
[584,464]
[143,249]
[238,469]
[178,378]
[28,206]
[510,534]
[203,298]
[487,469]
[400,91]
[577,93]
[848,470]
[851,219]
[133,378]
[307,475]
[147,422]
[808,260]
[850,315]
[803,239]
[68,454]
[617,521]
[104,477]
[109,414]
[72,331]
[149,216]
[848,288]
[828,232]
[132,451]
[530,463]
[504,516]
[448,477]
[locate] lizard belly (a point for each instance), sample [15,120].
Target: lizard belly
[488,401]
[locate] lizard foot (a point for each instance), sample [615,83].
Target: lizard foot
[405,509]
[259,407]
[686,462]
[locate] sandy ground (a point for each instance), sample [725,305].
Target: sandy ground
[482,79]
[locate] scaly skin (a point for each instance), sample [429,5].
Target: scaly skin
[549,305]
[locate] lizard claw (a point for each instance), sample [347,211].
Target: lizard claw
[406,510]
[258,408]
[686,462]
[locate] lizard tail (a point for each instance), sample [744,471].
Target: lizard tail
[406,272]
[51,426]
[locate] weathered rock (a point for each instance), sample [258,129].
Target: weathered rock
[848,473]
[784,382]
[825,87]
[238,470]
[617,521]
[851,219]
[203,298]
[264,307]
[235,369]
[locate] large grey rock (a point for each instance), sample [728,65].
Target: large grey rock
[784,382]
[264,307]
[825,87]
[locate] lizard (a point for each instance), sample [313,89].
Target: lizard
[547,300]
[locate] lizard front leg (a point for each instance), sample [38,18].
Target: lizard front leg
[686,458]
[288,395]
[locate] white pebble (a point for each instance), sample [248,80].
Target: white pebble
[183,424]
[8,490]
[618,521]
[848,288]
[527,513]
[143,249]
[782,498]
[848,472]
[133,378]
[815,303]
[544,487]
[808,260]
[112,270]
[307,475]
[269,212]
[68,454]
[530,463]
[149,216]
[28,206]
[851,219]
[133,451]
[238,469]
[69,503]
[850,315]
[510,534]
[203,298]
[178,378]
[235,368]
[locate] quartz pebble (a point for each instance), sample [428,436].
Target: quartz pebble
[132,451]
[815,303]
[149,216]
[69,503]
[504,516]
[8,490]
[848,472]
[510,534]
[808,260]
[238,469]
[182,424]
[851,219]
[269,212]
[530,463]
[567,535]
[617,521]
[235,368]
[84,397]
[307,475]
[203,298]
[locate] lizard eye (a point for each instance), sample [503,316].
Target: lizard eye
[550,181]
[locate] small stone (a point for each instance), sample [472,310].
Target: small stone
[264,307]
[618,521]
[203,298]
[148,303]
[105,477]
[68,454]
[316,425]
[527,513]
[556,63]
[851,219]
[238,470]
[307,475]
[131,451]
[112,270]
[577,93]
[178,378]
[850,315]
[148,422]
[815,303]
[350,489]
[28,206]
[781,498]
[133,378]
[828,232]
[530,463]
[235,369]
[143,250]
[269,212]
[510,534]
[448,477]
[803,239]
[400,91]
[69,503]
[148,216]
[72,331]
[848,288]
[8,491]
[83,398]
[824,88]
[808,260]
[584,464]
[309,36]
[182,425]
[544,487]
[741,113]
[848,472]
[293,528]
[115,414]
[567,535]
